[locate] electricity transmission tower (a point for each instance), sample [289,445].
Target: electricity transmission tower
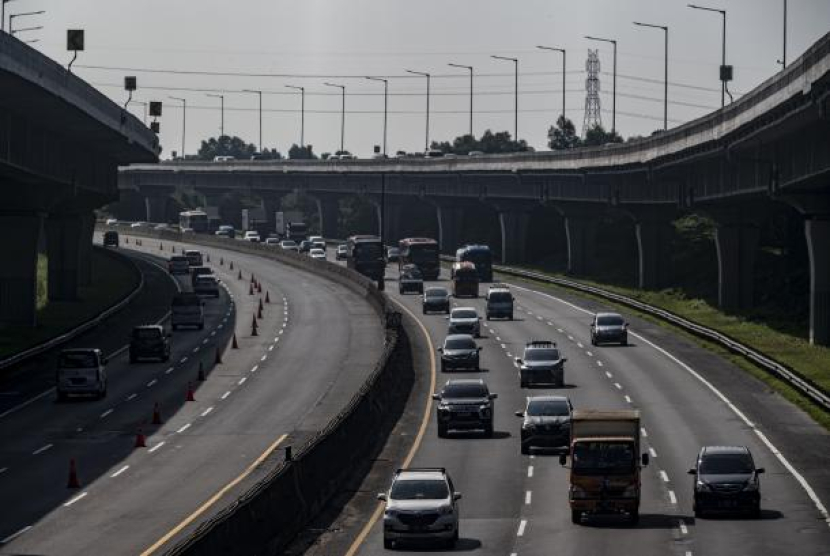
[592,106]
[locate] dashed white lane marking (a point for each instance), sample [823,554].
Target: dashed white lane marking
[225,395]
[589,354]
[672,497]
[263,358]
[652,451]
[688,553]
[664,476]
[13,536]
[528,497]
[509,354]
[151,383]
[132,397]
[628,399]
[498,339]
[276,338]
[599,363]
[503,346]
[207,411]
[683,529]
[183,359]
[196,349]
[81,496]
[242,380]
[156,447]
[571,338]
[254,368]
[579,345]
[608,374]
[107,412]
[183,428]
[120,471]
[213,333]
[618,385]
[42,449]
[530,471]
[560,330]
[221,326]
[539,318]
[271,347]
[522,525]
[644,432]
[169,370]
[205,341]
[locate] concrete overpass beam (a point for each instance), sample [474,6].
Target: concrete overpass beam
[18,273]
[450,225]
[63,246]
[736,240]
[513,225]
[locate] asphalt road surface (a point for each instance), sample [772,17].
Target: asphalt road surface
[315,346]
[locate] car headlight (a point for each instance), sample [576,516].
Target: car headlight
[700,486]
[484,410]
[751,486]
[631,492]
[578,492]
[391,513]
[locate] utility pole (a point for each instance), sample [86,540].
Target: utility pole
[665,70]
[184,120]
[342,112]
[564,66]
[385,107]
[302,112]
[260,113]
[222,112]
[428,76]
[725,71]
[614,94]
[471,91]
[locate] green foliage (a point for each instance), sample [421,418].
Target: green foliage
[597,136]
[297,152]
[235,147]
[563,135]
[499,142]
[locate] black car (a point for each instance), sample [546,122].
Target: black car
[546,423]
[151,342]
[411,280]
[609,327]
[726,479]
[542,364]
[459,352]
[110,239]
[393,254]
[196,271]
[436,299]
[465,404]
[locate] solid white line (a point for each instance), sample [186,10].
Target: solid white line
[156,447]
[643,432]
[530,471]
[207,411]
[42,449]
[117,473]
[151,383]
[242,380]
[522,525]
[683,529]
[628,399]
[132,396]
[225,395]
[664,476]
[169,370]
[107,412]
[254,368]
[528,497]
[672,497]
[13,536]
[652,451]
[72,501]
[183,428]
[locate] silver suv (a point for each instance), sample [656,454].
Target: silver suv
[421,505]
[464,320]
[542,364]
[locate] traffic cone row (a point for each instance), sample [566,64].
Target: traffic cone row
[234,344]
[140,439]
[190,397]
[267,297]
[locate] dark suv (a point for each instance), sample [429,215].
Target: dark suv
[546,423]
[436,299]
[149,341]
[609,327]
[459,352]
[110,239]
[465,404]
[726,479]
[542,364]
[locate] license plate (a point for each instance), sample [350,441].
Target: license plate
[727,503]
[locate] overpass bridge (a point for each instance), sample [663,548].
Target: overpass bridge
[769,148]
[61,143]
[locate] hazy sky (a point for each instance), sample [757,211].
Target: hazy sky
[340,41]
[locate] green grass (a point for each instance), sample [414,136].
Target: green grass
[795,352]
[111,281]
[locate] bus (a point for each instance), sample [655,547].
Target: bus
[422,252]
[464,280]
[196,220]
[481,257]
[364,254]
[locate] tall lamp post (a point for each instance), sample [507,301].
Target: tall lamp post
[222,112]
[385,107]
[564,66]
[302,112]
[470,68]
[723,71]
[184,119]
[783,60]
[515,93]
[665,70]
[614,94]
[342,112]
[260,113]
[428,76]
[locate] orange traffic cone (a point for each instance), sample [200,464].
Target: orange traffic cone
[239,276]
[201,374]
[190,397]
[73,481]
[161,246]
[259,287]
[260,305]
[156,414]
[235,344]
[250,289]
[231,267]
[253,326]
[221,261]
[267,297]
[140,439]
[259,312]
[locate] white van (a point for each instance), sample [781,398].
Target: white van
[187,310]
[81,371]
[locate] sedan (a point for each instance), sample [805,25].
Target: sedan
[318,254]
[290,245]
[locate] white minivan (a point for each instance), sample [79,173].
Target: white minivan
[187,309]
[81,371]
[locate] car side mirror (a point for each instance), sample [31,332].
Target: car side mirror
[493,396]
[440,349]
[456,496]
[692,471]
[760,470]
[626,325]
[105,360]
[382,496]
[519,360]
[520,414]
[564,359]
[436,397]
[563,459]
[479,348]
[644,459]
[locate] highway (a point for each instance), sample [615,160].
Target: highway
[517,505]
[278,388]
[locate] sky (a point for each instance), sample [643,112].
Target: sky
[189,49]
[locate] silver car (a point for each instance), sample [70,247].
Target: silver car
[421,505]
[465,320]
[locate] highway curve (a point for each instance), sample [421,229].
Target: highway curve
[517,505]
[316,344]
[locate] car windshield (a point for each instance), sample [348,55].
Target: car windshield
[610,320]
[465,390]
[464,314]
[393,251]
[424,254]
[603,458]
[146,333]
[548,408]
[542,355]
[459,343]
[437,292]
[205,280]
[318,252]
[178,259]
[419,490]
[77,360]
[500,297]
[412,274]
[289,244]
[726,464]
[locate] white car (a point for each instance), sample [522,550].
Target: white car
[272,241]
[315,239]
[137,225]
[318,254]
[465,320]
[252,236]
[290,245]
[112,222]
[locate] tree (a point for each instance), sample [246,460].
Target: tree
[563,135]
[597,136]
[225,146]
[499,142]
[297,152]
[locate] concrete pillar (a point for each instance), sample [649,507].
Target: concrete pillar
[654,233]
[450,225]
[156,208]
[580,234]
[736,241]
[18,273]
[817,231]
[393,228]
[63,240]
[85,249]
[328,209]
[513,225]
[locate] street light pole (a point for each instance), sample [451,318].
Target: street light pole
[385,107]
[614,93]
[723,48]
[471,91]
[665,71]
[564,67]
[428,76]
[184,120]
[302,113]
[342,112]
[784,57]
[515,93]
[222,112]
[260,113]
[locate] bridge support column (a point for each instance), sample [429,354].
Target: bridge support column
[328,209]
[18,273]
[450,225]
[85,249]
[654,232]
[392,231]
[817,231]
[580,234]
[63,240]
[156,208]
[736,240]
[513,235]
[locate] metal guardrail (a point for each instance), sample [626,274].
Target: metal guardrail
[788,375]
[80,329]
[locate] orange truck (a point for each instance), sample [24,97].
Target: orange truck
[605,464]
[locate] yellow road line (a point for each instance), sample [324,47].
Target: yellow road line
[213,499]
[361,537]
